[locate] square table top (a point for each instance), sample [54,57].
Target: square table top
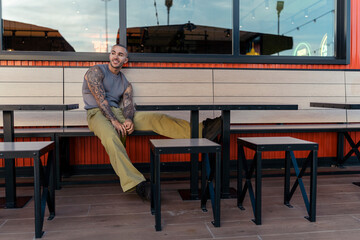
[335,105]
[225,106]
[276,143]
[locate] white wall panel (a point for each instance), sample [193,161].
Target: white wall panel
[168,75]
[278,76]
[31,74]
[52,85]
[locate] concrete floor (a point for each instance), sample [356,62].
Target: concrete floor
[103,212]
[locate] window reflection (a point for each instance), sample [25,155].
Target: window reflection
[179,26]
[60,25]
[287,28]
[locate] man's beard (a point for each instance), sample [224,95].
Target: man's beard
[119,66]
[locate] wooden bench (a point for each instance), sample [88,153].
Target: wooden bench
[59,135]
[341,129]
[62,135]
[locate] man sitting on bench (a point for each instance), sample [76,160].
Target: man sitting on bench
[104,87]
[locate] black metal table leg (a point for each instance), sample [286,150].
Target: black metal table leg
[152,182]
[225,178]
[39,218]
[257,219]
[313,184]
[287,179]
[157,193]
[216,206]
[10,175]
[194,167]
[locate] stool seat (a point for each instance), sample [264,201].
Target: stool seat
[42,177]
[24,149]
[287,144]
[192,145]
[277,144]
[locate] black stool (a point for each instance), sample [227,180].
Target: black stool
[193,145]
[45,178]
[287,144]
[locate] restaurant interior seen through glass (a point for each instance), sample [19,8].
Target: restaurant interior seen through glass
[264,27]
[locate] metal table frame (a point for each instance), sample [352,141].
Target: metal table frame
[193,146]
[43,176]
[287,144]
[194,123]
[8,120]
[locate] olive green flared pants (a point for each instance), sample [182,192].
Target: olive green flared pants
[161,124]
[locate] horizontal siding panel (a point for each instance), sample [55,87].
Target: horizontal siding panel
[31,100]
[31,74]
[36,118]
[278,76]
[75,118]
[149,75]
[286,90]
[31,89]
[353,115]
[352,77]
[303,102]
[353,91]
[170,99]
[289,116]
[168,75]
[74,75]
[173,89]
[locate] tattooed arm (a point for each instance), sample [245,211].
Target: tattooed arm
[94,78]
[129,109]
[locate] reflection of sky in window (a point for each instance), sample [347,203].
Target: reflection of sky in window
[82,24]
[199,12]
[262,16]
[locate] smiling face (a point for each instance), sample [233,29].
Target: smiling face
[118,57]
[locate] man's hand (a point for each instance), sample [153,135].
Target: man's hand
[129,126]
[120,128]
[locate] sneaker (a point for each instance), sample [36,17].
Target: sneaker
[143,189]
[212,128]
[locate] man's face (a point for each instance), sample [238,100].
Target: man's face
[118,57]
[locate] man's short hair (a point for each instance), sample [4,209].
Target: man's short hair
[121,45]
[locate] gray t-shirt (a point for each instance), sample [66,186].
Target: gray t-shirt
[114,86]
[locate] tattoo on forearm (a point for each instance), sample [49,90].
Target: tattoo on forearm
[129,109]
[94,78]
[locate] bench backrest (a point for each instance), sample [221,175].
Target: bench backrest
[33,85]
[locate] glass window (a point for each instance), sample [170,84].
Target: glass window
[60,25]
[287,28]
[179,26]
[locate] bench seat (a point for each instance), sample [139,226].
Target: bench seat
[58,134]
[288,128]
